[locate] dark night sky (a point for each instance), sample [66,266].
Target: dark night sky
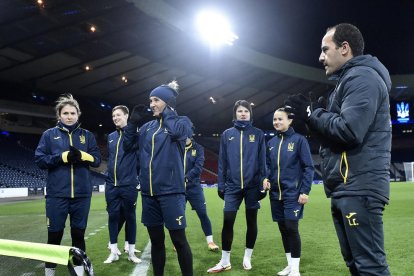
[293,30]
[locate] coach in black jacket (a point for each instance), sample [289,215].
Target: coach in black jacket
[355,146]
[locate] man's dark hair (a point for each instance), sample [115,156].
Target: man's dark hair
[351,34]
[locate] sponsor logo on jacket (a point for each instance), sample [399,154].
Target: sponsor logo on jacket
[179,220]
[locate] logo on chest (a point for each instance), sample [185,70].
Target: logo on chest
[291,146]
[82,139]
[252,138]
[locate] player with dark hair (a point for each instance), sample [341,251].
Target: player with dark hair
[290,167]
[355,134]
[67,151]
[241,174]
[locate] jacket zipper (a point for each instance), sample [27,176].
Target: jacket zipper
[278,168]
[116,157]
[152,156]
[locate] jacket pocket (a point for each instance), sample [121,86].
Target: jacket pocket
[331,170]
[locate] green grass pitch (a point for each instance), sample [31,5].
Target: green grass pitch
[25,221]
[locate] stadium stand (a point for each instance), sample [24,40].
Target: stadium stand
[208,177]
[211,143]
[17,166]
[209,173]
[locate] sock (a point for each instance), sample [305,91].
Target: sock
[126,246]
[131,249]
[50,271]
[248,253]
[295,264]
[209,239]
[225,257]
[114,248]
[79,270]
[289,259]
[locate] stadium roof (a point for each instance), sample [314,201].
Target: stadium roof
[45,48]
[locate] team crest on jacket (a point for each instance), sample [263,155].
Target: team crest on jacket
[193,152]
[291,146]
[252,138]
[82,139]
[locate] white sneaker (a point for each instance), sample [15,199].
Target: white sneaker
[118,252]
[247,265]
[284,272]
[126,250]
[134,259]
[112,258]
[294,273]
[219,268]
[117,249]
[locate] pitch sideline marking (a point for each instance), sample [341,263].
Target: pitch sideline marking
[142,268]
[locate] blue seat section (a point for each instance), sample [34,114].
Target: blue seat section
[17,166]
[97,179]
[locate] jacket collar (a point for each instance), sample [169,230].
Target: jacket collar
[288,132]
[242,125]
[67,128]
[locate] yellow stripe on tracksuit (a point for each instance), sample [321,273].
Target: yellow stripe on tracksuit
[185,162]
[116,156]
[72,180]
[152,156]
[344,159]
[278,168]
[241,160]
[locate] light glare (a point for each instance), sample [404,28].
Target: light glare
[215,29]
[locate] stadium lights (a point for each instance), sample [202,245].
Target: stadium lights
[40,3]
[215,28]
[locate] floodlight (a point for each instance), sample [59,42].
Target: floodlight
[215,28]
